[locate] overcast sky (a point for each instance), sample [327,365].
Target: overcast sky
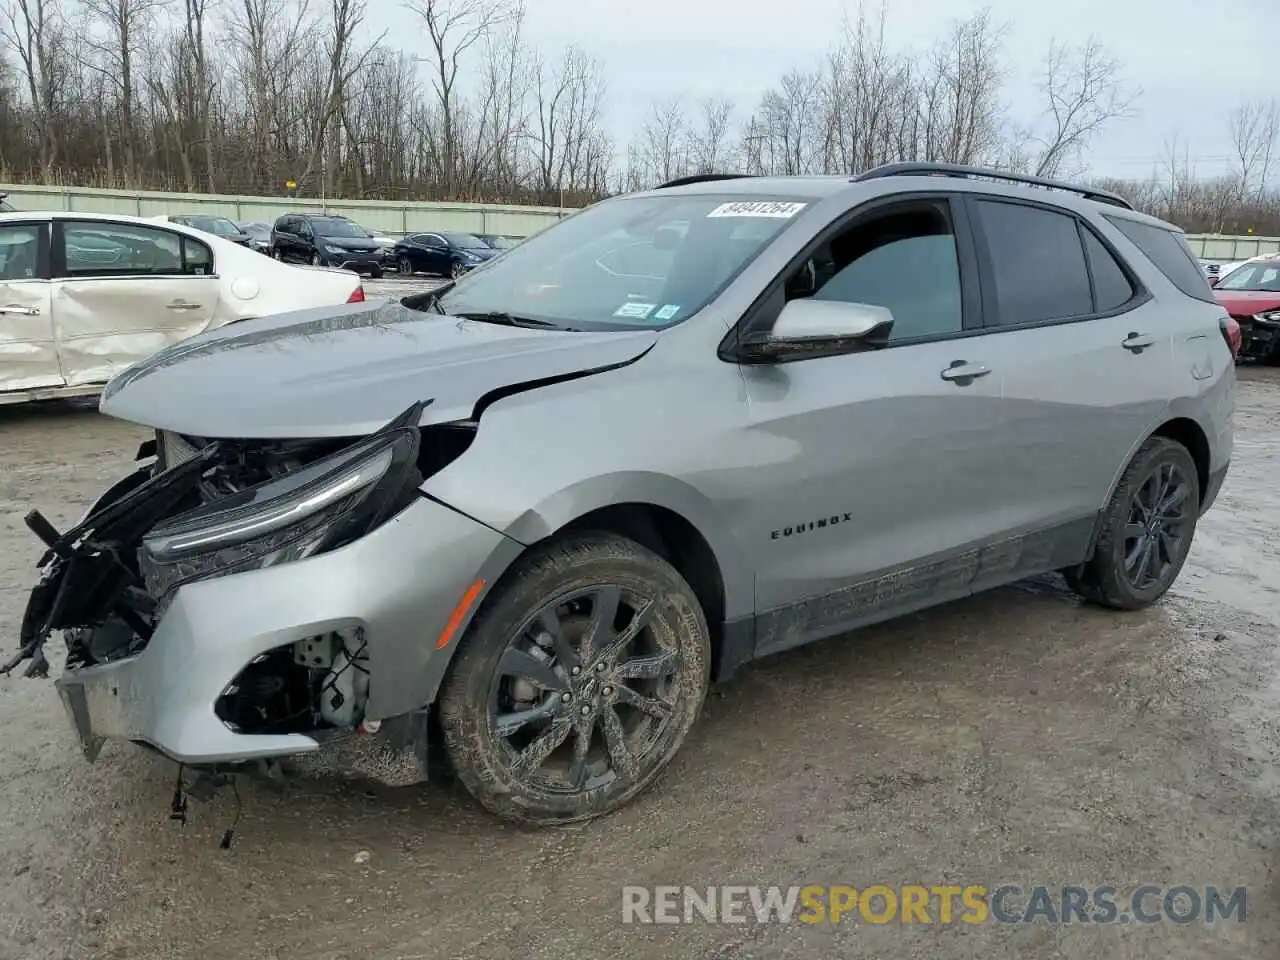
[1193,60]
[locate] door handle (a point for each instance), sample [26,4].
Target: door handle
[180,305]
[1137,342]
[21,311]
[964,372]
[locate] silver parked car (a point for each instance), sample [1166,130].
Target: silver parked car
[520,524]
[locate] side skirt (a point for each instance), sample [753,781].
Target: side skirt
[894,592]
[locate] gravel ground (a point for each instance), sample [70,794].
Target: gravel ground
[1013,737]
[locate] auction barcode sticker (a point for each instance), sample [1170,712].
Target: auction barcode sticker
[758,208]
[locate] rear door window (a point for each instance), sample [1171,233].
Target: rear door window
[1169,251]
[100,248]
[1037,262]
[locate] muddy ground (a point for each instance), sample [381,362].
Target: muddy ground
[1015,737]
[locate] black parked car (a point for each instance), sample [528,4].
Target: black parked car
[497,240]
[444,254]
[259,234]
[325,242]
[218,226]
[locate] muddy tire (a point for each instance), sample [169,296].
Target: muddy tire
[1146,530]
[577,681]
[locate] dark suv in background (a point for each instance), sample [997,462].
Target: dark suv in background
[325,242]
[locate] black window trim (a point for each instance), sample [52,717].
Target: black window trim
[986,272]
[58,254]
[966,258]
[44,262]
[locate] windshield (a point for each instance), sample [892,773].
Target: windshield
[216,225]
[256,230]
[627,263]
[1263,276]
[465,241]
[499,243]
[330,227]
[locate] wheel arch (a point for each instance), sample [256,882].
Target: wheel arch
[1183,430]
[674,519]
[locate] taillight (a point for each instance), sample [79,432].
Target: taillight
[357,295]
[1232,334]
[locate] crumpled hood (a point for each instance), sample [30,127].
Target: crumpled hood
[346,371]
[1245,303]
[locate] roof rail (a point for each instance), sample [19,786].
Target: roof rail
[701,178]
[914,169]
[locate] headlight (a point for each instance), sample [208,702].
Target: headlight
[319,507]
[332,249]
[1272,316]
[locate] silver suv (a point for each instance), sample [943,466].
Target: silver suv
[520,524]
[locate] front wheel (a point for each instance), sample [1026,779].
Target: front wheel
[315,260]
[1146,531]
[577,682]
[456,271]
[405,266]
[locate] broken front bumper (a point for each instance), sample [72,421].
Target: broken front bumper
[401,583]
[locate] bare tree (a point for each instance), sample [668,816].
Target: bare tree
[35,31]
[663,148]
[709,148]
[568,103]
[1254,127]
[1084,89]
[242,95]
[118,29]
[963,105]
[453,28]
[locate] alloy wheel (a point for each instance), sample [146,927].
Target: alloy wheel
[405,266]
[583,691]
[1156,531]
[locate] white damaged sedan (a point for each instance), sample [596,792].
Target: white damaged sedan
[84,295]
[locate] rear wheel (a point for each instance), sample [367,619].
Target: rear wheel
[577,682]
[1146,532]
[277,254]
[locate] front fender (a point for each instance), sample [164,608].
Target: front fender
[554,512]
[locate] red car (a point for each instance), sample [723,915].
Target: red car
[1251,295]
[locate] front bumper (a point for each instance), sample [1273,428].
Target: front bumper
[1260,339]
[359,262]
[401,584]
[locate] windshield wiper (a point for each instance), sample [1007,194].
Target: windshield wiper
[508,320]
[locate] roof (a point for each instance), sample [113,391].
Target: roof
[820,187]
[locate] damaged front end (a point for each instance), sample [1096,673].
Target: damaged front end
[202,510]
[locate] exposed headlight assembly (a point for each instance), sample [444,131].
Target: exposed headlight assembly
[322,506]
[1272,316]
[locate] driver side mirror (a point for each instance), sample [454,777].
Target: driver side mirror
[817,328]
[1213,281]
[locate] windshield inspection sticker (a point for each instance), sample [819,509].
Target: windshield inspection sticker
[757,208]
[667,312]
[635,311]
